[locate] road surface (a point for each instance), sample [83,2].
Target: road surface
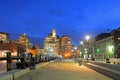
[64,70]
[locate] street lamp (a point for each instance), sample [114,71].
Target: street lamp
[81,49]
[87,37]
[81,63]
[75,48]
[81,42]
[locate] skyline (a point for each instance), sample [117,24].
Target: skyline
[76,18]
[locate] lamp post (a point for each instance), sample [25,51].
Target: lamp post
[81,62]
[87,37]
[81,49]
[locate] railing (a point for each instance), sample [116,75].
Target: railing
[23,63]
[9,59]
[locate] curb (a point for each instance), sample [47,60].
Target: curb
[104,70]
[14,74]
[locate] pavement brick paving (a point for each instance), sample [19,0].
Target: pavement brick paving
[64,70]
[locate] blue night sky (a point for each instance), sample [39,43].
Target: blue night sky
[76,18]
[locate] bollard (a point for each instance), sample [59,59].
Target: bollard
[9,61]
[22,63]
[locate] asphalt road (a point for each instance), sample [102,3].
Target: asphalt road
[64,70]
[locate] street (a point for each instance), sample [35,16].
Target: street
[64,70]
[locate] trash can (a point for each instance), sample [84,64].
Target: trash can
[93,59]
[80,63]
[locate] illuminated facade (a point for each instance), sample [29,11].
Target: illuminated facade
[35,50]
[4,37]
[116,34]
[107,45]
[66,46]
[17,47]
[14,48]
[23,40]
[58,45]
[104,48]
[51,44]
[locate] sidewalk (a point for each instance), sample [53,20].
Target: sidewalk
[64,71]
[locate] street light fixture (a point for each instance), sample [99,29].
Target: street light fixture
[81,42]
[87,37]
[51,50]
[75,48]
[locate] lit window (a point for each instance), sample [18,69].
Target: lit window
[118,38]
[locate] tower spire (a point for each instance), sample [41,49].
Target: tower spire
[54,33]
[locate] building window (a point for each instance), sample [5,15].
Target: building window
[118,38]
